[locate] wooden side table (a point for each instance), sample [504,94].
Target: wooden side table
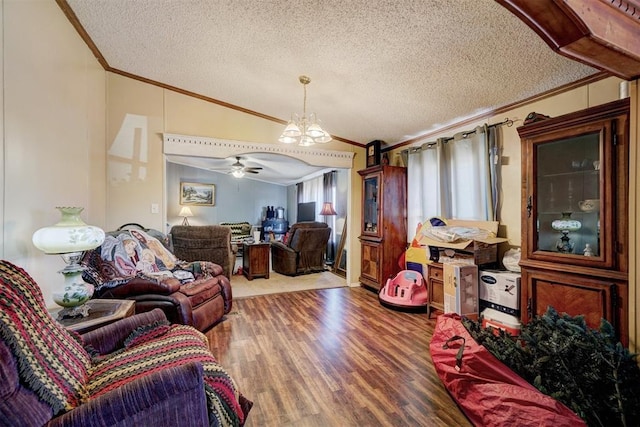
[255,260]
[101,312]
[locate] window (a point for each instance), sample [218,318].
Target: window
[453,178]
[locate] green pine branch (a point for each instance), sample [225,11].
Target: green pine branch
[586,369]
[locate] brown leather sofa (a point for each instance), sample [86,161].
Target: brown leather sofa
[304,249]
[204,243]
[190,293]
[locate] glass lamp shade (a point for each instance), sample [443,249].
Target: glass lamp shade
[566,223]
[314,131]
[70,237]
[70,234]
[287,139]
[324,138]
[292,130]
[306,141]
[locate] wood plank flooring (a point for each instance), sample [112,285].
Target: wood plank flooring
[332,357]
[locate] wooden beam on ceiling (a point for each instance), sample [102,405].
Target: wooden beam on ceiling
[600,33]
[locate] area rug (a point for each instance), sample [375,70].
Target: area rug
[279,283]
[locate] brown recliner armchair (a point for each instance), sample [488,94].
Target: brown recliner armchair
[134,264]
[304,249]
[204,243]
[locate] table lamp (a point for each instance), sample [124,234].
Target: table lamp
[185,213]
[69,238]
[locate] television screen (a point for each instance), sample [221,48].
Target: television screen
[307,211]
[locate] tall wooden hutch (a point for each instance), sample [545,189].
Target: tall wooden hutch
[574,215]
[383,236]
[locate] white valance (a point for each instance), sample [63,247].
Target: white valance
[185,145]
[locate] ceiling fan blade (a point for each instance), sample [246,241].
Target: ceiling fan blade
[250,171]
[253,169]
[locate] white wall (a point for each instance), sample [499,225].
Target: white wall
[54,96]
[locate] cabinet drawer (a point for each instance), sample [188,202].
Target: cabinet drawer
[435,271]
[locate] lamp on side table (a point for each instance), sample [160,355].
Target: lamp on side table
[69,238]
[185,213]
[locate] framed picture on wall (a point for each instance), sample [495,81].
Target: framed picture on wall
[197,194]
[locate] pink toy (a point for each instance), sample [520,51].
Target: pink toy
[406,290]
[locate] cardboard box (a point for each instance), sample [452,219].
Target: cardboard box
[500,290]
[448,256]
[484,250]
[498,320]
[461,289]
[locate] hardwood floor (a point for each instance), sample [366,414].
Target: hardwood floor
[332,357]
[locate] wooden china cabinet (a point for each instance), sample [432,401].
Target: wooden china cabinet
[574,215]
[383,236]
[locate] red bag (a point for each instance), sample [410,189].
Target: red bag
[488,392]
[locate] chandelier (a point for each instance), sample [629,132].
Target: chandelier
[304,130]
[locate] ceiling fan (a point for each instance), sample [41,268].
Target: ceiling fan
[238,169]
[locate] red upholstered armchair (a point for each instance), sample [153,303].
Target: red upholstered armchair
[140,370]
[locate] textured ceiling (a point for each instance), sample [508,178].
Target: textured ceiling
[389,70]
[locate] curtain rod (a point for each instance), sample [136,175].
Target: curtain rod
[506,121]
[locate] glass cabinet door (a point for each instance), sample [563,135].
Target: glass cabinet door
[574,189]
[371,199]
[568,193]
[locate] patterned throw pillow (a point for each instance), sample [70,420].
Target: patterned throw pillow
[51,360]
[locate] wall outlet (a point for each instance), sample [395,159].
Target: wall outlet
[155,208]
